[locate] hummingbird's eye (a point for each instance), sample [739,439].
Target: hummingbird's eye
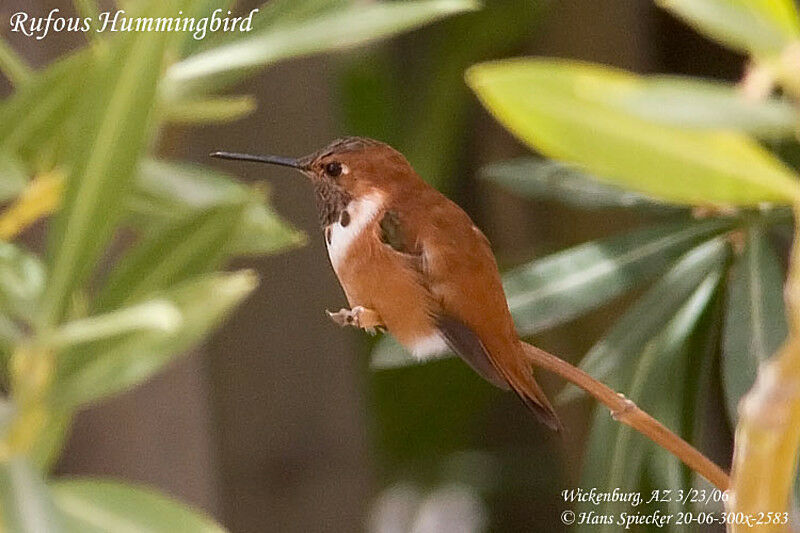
[333,169]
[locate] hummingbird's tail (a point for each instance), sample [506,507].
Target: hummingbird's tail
[532,395]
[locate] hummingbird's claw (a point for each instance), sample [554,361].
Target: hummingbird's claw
[359,317]
[343,317]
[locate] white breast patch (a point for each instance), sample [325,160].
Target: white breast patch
[428,347]
[361,213]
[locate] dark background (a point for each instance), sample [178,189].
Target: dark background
[278,424]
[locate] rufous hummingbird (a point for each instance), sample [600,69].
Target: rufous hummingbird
[411,261]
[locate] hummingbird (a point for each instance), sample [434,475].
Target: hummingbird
[412,262]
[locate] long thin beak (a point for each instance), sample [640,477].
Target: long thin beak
[270,159]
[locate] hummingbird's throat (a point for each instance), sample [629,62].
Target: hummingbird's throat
[332,200]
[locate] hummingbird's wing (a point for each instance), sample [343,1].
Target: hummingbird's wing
[458,336]
[466,344]
[456,265]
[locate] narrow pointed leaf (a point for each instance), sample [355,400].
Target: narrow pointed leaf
[210,110]
[25,502]
[616,455]
[173,191]
[567,184]
[116,110]
[755,321]
[346,26]
[618,349]
[170,255]
[103,506]
[694,103]
[562,286]
[22,278]
[38,110]
[759,27]
[13,177]
[158,314]
[106,367]
[562,108]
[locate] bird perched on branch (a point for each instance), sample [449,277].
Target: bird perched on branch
[411,261]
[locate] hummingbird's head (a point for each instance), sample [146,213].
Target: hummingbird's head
[346,169]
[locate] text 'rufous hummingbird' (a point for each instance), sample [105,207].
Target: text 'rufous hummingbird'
[412,262]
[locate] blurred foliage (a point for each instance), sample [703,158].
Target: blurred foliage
[79,323]
[690,153]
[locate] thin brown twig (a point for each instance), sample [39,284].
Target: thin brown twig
[625,411]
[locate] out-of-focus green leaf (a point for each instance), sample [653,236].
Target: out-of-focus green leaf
[116,110]
[103,368]
[279,13]
[261,231]
[22,278]
[647,316]
[564,183]
[158,314]
[167,189]
[171,191]
[755,321]
[695,103]
[50,440]
[37,110]
[172,254]
[210,109]
[25,501]
[567,284]
[564,109]
[615,457]
[759,27]
[562,286]
[13,178]
[7,411]
[332,29]
[102,506]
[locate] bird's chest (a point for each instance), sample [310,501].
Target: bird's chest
[350,232]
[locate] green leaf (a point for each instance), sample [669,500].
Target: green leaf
[168,189]
[755,321]
[564,285]
[38,110]
[106,367]
[565,109]
[117,107]
[101,506]
[261,232]
[645,318]
[171,254]
[694,103]
[567,284]
[158,315]
[22,278]
[51,439]
[25,502]
[172,191]
[210,110]
[615,456]
[13,177]
[564,183]
[758,27]
[346,26]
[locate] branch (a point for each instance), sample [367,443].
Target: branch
[768,435]
[625,411]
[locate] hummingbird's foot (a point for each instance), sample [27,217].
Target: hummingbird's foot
[359,317]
